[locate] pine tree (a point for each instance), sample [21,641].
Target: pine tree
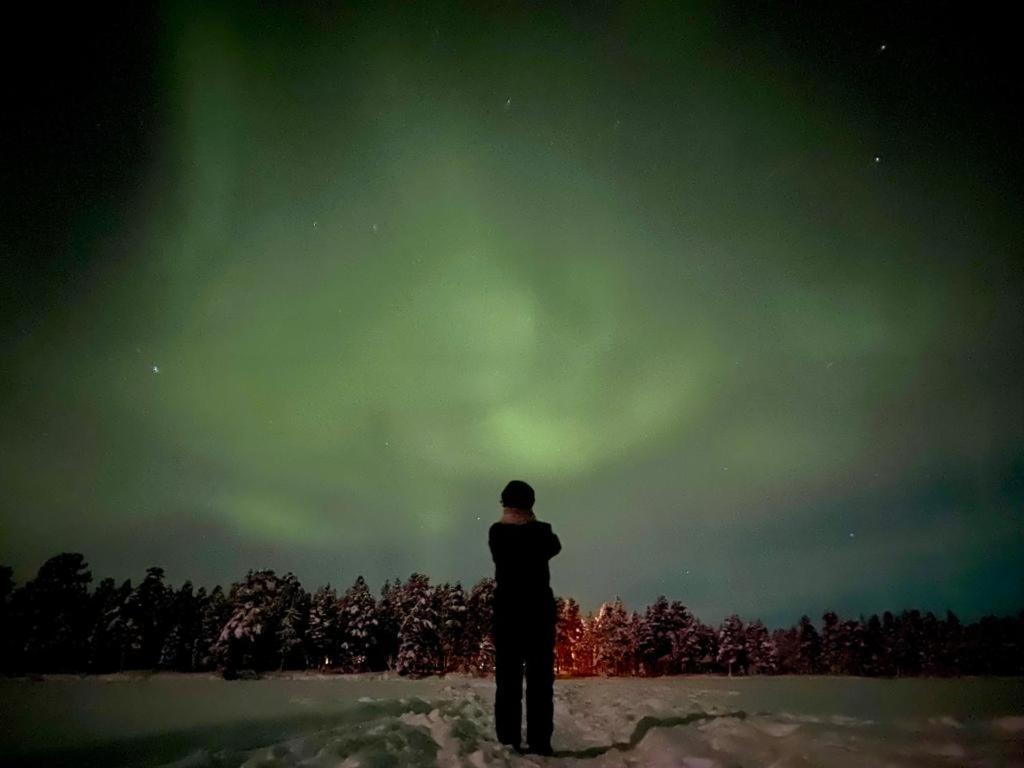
[568,633]
[787,647]
[323,627]
[450,607]
[586,649]
[830,643]
[851,647]
[249,638]
[655,639]
[614,651]
[418,640]
[732,645]
[104,654]
[873,647]
[809,647]
[294,627]
[8,621]
[389,621]
[687,645]
[54,610]
[952,645]
[145,620]
[761,650]
[931,645]
[176,652]
[214,612]
[890,641]
[479,629]
[357,628]
[908,650]
[708,643]
[636,625]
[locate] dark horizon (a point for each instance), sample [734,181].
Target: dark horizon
[737,288]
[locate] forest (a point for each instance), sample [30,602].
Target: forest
[57,623]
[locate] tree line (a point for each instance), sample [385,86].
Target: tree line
[55,623]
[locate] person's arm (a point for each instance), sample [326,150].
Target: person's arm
[492,542]
[554,545]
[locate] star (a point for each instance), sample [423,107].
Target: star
[882,47]
[156,369]
[878,158]
[853,535]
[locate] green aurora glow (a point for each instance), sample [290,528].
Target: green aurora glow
[384,264]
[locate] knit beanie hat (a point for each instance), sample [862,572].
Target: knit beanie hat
[517,494]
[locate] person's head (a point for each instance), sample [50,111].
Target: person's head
[518,495]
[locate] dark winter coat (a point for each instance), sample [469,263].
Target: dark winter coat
[521,547]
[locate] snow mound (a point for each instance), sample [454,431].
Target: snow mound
[616,726]
[448,722]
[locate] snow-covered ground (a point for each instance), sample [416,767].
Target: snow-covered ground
[372,720]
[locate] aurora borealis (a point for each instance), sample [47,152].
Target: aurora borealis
[739,294]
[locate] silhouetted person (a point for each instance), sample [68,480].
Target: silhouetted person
[524,620]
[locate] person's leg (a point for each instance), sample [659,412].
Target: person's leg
[540,681]
[508,677]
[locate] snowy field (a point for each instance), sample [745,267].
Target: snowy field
[371,720]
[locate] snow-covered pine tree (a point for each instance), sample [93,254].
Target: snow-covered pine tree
[873,645]
[249,638]
[635,628]
[357,630]
[123,632]
[478,658]
[654,638]
[54,608]
[214,611]
[761,650]
[732,646]
[830,643]
[389,621]
[787,648]
[105,605]
[323,627]
[850,655]
[686,650]
[568,633]
[418,641]
[293,630]
[952,650]
[176,652]
[614,639]
[890,642]
[450,606]
[708,641]
[148,610]
[809,647]
[586,649]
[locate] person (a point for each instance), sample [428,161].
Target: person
[524,620]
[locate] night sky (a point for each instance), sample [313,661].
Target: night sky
[738,288]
